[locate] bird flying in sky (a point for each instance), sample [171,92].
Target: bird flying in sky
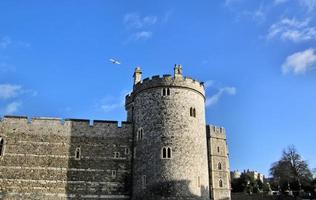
[114,61]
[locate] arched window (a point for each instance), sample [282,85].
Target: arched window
[194,112]
[168,91]
[166,152]
[1,146]
[78,153]
[191,112]
[219,166]
[220,183]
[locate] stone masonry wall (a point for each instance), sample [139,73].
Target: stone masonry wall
[166,122]
[40,160]
[218,163]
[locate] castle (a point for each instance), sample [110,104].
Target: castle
[164,151]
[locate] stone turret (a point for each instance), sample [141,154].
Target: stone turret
[137,75]
[170,147]
[177,71]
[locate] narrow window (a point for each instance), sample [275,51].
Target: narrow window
[144,181]
[164,152]
[168,91]
[126,151]
[140,133]
[116,155]
[169,152]
[164,92]
[199,181]
[219,166]
[192,112]
[78,153]
[217,149]
[220,183]
[1,146]
[113,173]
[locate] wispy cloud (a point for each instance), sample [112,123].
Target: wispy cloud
[142,35]
[134,20]
[210,101]
[293,30]
[110,103]
[5,42]
[300,62]
[220,91]
[257,15]
[9,91]
[12,107]
[310,5]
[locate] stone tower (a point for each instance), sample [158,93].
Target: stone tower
[218,163]
[170,144]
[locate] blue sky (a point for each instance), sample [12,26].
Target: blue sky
[258,59]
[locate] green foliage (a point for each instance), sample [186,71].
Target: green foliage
[248,184]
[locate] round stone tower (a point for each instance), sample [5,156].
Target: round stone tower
[170,148]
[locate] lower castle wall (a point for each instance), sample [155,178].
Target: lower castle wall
[39,160]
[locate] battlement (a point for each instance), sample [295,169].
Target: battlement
[215,131]
[50,121]
[166,80]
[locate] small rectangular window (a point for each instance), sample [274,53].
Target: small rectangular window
[113,173]
[126,151]
[144,181]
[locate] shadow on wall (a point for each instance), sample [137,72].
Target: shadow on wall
[173,190]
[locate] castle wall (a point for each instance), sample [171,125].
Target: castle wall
[40,160]
[166,122]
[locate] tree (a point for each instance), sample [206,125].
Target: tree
[291,171]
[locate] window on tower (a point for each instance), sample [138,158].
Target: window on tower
[165,91]
[144,181]
[78,153]
[219,166]
[140,133]
[116,154]
[192,112]
[1,146]
[220,183]
[166,153]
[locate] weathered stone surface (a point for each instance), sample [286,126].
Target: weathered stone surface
[50,158]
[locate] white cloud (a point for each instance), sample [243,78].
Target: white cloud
[9,91]
[300,62]
[208,83]
[134,20]
[142,35]
[110,103]
[310,5]
[293,30]
[12,107]
[5,42]
[216,97]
